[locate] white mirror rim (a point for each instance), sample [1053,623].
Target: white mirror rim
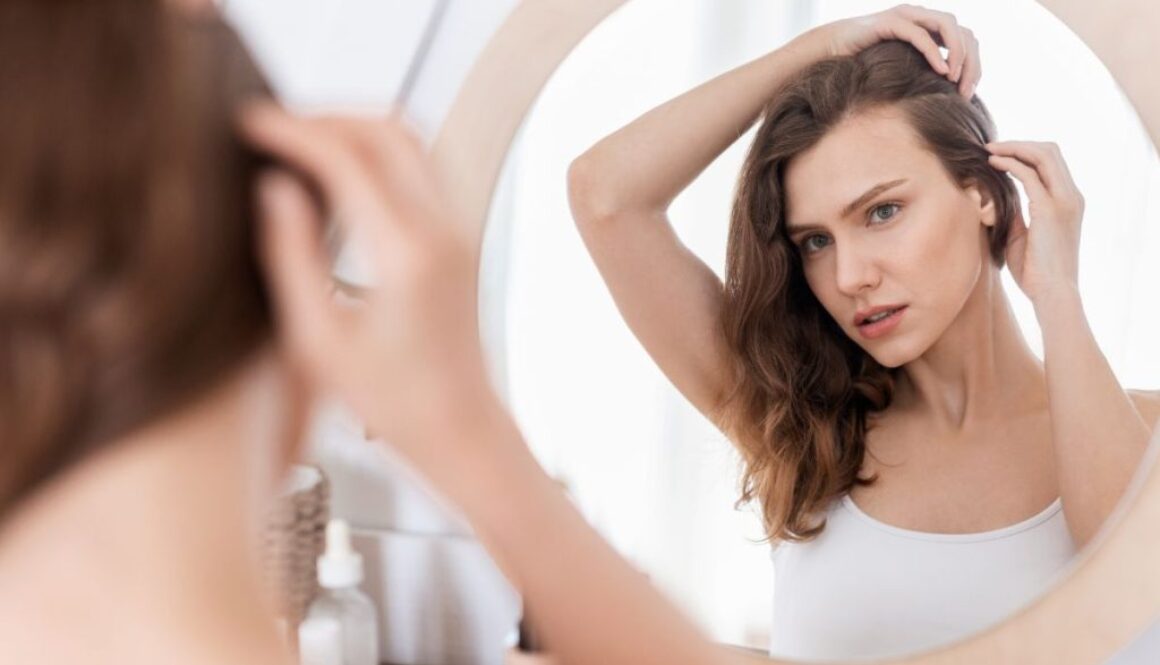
[1111,591]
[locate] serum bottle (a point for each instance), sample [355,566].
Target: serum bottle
[340,627]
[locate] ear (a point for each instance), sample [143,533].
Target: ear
[983,201]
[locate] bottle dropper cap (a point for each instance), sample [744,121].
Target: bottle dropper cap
[340,566]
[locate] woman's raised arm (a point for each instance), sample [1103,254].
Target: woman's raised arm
[1099,432]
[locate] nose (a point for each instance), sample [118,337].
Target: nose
[856,271]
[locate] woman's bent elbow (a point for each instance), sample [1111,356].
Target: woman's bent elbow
[588,197]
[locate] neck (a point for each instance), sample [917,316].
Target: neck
[981,371]
[158,532]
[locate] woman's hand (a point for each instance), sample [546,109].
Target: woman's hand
[1043,258]
[925,29]
[407,357]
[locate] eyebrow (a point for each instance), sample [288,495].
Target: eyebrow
[854,205]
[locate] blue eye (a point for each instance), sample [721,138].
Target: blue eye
[874,216]
[810,248]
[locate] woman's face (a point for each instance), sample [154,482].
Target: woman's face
[878,222]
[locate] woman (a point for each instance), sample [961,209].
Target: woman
[896,429]
[151,395]
[145,410]
[153,391]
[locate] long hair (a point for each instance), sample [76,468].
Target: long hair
[801,391]
[129,283]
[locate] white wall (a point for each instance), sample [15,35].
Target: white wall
[354,53]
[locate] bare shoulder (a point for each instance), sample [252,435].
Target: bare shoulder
[1147,403]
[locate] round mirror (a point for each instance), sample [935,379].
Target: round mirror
[979,509]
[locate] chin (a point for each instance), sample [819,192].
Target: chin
[891,363]
[892,354]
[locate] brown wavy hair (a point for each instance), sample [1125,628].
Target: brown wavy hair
[129,283]
[801,390]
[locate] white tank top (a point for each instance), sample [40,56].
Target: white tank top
[864,589]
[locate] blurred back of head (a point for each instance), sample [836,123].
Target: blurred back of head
[128,278]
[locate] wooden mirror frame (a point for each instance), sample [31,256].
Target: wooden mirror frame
[1111,591]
